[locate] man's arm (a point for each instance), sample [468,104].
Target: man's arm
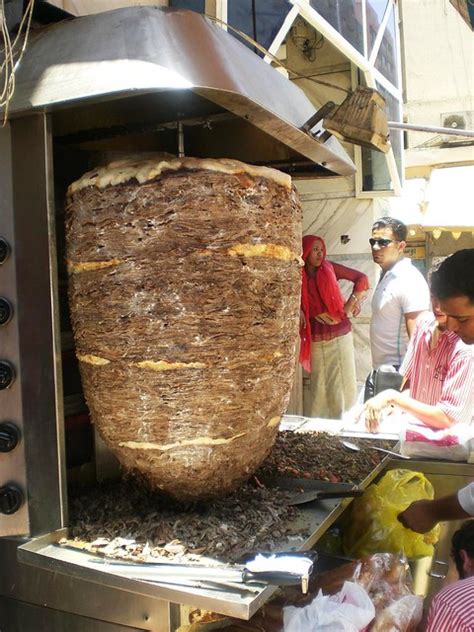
[410,321]
[432,416]
[423,515]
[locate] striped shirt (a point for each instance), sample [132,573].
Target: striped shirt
[452,609]
[442,376]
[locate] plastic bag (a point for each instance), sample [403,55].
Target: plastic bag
[372,525]
[350,610]
[387,580]
[402,615]
[450,444]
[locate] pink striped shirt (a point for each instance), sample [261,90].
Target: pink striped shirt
[443,376]
[452,609]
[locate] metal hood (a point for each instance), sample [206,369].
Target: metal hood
[192,67]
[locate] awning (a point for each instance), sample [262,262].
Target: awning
[443,202]
[449,199]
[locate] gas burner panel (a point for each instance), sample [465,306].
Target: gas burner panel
[13,510]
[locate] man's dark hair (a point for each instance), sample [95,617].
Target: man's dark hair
[463,539]
[397,227]
[455,276]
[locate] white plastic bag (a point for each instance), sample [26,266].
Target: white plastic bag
[450,444]
[350,610]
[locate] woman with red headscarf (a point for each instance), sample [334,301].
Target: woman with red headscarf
[327,348]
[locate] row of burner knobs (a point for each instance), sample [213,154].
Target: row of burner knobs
[11,497]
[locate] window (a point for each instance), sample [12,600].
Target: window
[370,30]
[375,10]
[260,19]
[192,5]
[345,16]
[387,58]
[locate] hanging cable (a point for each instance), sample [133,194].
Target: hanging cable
[262,49]
[12,56]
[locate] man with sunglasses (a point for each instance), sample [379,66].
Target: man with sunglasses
[400,296]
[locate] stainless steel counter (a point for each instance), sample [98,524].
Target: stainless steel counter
[42,573]
[46,554]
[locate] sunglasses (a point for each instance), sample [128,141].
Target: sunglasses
[382,242]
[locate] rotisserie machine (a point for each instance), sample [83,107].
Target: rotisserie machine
[135,79]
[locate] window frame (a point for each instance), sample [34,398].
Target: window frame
[363,62]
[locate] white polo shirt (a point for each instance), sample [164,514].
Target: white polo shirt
[401,290]
[466,498]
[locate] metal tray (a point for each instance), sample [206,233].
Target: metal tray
[45,553]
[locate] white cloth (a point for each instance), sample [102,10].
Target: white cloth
[332,383]
[401,290]
[466,498]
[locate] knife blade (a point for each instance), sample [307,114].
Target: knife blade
[308,497]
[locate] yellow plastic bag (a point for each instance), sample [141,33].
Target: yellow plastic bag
[372,526]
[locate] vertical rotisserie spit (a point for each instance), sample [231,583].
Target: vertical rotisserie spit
[184,295]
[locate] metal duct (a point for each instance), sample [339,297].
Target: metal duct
[171,54]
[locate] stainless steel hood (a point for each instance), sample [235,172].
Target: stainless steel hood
[172,55]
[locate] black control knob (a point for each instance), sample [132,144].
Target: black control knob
[11,499]
[7,374]
[9,436]
[4,250]
[6,311]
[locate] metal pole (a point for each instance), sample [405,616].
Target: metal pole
[180,140]
[432,130]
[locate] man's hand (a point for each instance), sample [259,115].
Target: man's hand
[375,406]
[423,515]
[327,319]
[418,516]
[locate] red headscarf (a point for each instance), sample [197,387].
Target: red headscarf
[326,298]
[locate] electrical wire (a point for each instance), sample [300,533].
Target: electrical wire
[262,49]
[12,57]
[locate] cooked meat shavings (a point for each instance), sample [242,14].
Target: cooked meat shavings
[321,456]
[125,520]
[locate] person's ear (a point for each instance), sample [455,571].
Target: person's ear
[402,245]
[467,563]
[438,312]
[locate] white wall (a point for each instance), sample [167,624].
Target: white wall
[331,210]
[439,63]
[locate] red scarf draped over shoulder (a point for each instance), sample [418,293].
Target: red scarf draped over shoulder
[327,296]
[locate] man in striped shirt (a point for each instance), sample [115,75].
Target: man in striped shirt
[452,609]
[453,285]
[439,365]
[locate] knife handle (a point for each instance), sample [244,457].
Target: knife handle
[276,578]
[343,494]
